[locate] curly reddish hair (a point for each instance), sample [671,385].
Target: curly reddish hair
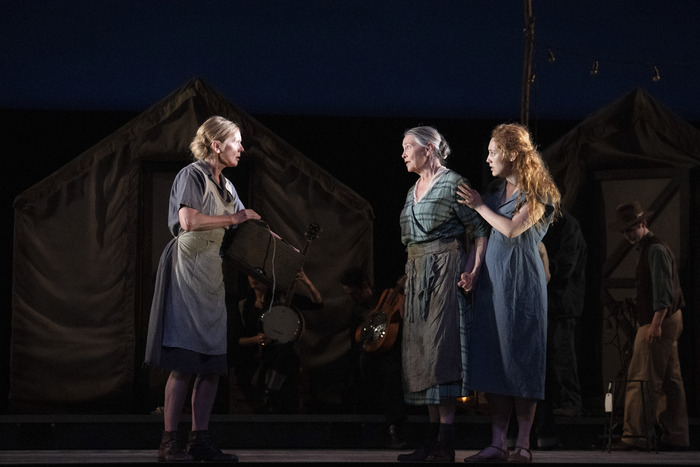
[535,181]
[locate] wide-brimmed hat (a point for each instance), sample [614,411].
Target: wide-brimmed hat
[629,214]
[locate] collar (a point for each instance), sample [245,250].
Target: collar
[644,240]
[206,168]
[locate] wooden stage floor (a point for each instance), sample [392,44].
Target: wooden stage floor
[339,456]
[326,439]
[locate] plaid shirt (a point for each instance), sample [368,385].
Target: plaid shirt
[438,215]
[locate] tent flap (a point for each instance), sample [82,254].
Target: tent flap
[78,272]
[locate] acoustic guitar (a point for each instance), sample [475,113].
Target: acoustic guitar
[379,329]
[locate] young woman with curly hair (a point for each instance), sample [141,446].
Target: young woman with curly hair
[509,330]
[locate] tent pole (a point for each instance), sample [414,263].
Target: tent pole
[529,31]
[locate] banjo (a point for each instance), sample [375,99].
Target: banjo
[282,323]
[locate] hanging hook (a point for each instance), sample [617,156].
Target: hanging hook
[594,68]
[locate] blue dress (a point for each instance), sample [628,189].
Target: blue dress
[509,330]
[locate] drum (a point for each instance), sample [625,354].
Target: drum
[282,324]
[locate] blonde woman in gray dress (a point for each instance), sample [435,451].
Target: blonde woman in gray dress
[187,327]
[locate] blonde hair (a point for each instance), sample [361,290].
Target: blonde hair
[428,134]
[535,181]
[213,129]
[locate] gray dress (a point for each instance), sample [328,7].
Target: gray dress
[509,330]
[434,345]
[188,309]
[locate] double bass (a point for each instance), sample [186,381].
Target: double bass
[378,331]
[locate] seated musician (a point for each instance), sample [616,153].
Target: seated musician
[264,368]
[378,373]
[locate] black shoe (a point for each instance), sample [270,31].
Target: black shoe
[201,448]
[442,452]
[419,455]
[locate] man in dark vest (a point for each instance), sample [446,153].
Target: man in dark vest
[659,301]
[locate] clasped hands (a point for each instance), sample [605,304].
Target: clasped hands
[467,281]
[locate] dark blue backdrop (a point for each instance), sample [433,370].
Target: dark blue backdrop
[446,58]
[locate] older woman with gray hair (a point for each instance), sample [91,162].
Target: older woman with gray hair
[436,231]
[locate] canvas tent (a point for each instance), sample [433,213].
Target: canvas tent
[87,241]
[633,149]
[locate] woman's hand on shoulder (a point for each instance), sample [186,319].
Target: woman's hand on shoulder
[244,215]
[468,196]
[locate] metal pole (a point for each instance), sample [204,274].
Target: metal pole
[529,31]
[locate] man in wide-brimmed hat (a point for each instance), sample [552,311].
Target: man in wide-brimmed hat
[629,215]
[659,300]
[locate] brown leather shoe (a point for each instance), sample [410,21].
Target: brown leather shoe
[201,448]
[520,455]
[170,451]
